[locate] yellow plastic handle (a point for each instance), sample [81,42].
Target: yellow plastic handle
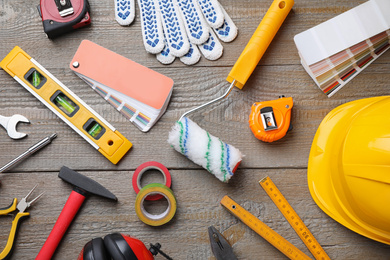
[259,42]
[14,227]
[10,208]
[12,234]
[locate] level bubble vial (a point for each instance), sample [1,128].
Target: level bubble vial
[35,78]
[65,104]
[94,129]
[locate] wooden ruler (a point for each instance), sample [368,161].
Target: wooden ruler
[263,230]
[293,218]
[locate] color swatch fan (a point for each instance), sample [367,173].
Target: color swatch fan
[337,50]
[139,93]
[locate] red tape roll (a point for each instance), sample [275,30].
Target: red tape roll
[152,165]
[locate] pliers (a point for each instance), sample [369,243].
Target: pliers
[20,207]
[220,246]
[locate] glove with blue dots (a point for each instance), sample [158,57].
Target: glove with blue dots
[180,28]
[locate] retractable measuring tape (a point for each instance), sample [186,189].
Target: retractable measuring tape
[66,105]
[61,16]
[271,120]
[263,230]
[293,218]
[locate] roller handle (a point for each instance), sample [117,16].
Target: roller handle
[70,209]
[259,42]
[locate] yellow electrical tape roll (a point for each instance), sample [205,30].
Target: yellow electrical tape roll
[160,219]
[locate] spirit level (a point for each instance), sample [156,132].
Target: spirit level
[66,105]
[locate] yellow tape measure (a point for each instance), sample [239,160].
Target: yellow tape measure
[263,230]
[293,218]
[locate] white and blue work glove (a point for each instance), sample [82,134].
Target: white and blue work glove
[180,28]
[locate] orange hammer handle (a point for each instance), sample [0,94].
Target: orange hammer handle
[70,209]
[259,42]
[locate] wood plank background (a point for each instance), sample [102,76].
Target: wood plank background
[198,193]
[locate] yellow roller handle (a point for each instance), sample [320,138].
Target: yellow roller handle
[259,42]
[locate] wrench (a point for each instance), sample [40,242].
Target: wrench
[9,123]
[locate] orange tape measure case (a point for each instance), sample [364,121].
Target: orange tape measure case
[271,120]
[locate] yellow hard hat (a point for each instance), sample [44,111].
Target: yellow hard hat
[349,167]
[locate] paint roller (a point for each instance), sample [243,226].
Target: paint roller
[186,137]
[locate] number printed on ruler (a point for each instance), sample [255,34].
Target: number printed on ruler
[293,218]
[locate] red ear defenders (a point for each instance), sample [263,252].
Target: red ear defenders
[115,246]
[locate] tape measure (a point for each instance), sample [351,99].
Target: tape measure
[61,16]
[263,230]
[293,218]
[66,105]
[271,120]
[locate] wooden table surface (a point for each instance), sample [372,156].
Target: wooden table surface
[198,193]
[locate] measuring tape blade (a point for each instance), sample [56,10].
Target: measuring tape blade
[66,105]
[263,230]
[293,218]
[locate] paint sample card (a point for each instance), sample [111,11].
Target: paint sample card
[137,92]
[337,50]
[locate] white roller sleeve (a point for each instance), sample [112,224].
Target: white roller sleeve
[219,158]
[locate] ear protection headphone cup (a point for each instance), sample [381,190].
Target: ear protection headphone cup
[94,250]
[118,247]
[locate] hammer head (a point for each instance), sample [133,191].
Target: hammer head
[85,184]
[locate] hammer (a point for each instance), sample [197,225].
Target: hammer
[82,187]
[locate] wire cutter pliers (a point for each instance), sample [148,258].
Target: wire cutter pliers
[20,207]
[220,246]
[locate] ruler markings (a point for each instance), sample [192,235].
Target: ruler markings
[263,230]
[293,218]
